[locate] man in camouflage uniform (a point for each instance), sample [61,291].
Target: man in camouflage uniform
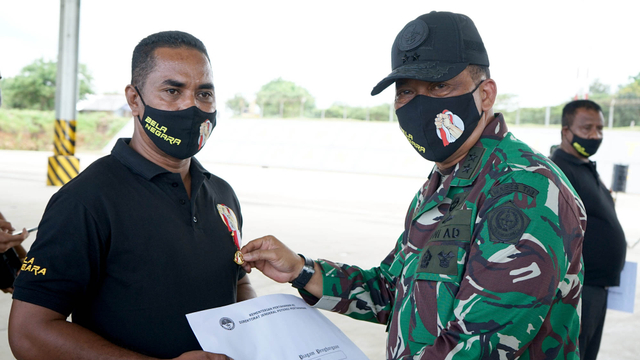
[489,264]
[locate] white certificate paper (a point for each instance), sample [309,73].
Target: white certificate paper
[622,297]
[273,327]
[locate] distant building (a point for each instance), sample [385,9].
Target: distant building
[111,103]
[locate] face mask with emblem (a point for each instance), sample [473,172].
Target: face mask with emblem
[437,127]
[585,147]
[180,134]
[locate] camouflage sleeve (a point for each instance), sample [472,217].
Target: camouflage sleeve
[361,294]
[520,291]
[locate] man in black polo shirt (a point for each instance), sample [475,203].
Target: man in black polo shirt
[604,247]
[141,237]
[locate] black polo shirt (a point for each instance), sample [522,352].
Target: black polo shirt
[604,248]
[124,250]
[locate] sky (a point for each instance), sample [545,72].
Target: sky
[543,52]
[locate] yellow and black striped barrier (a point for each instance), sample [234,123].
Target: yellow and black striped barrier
[63,165]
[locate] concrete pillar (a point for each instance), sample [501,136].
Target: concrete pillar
[63,165]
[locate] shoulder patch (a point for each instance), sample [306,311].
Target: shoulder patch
[508,188]
[507,223]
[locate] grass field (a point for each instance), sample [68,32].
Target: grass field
[33,129]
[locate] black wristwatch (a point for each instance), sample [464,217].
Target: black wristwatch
[305,275]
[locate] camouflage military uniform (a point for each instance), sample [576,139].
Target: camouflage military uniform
[488,267]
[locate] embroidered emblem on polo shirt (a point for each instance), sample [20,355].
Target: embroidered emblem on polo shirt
[229,218]
[507,223]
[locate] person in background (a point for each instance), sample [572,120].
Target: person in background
[9,240]
[605,247]
[489,264]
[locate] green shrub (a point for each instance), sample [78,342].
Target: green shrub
[33,129]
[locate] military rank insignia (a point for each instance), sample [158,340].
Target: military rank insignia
[439,259]
[229,218]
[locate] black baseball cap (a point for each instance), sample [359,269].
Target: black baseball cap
[434,47]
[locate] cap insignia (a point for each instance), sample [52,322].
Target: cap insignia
[413,35]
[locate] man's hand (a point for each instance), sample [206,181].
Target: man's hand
[7,239]
[202,355]
[273,258]
[4,224]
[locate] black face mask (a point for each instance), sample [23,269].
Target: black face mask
[437,127]
[180,134]
[585,147]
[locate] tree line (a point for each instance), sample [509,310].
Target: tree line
[285,99]
[625,101]
[35,86]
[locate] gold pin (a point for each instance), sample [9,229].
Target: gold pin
[238,258]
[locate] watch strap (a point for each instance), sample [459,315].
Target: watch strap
[305,274]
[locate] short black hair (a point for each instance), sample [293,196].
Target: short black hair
[478,71]
[569,110]
[143,60]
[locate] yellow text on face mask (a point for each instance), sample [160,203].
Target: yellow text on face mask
[159,131]
[418,147]
[580,149]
